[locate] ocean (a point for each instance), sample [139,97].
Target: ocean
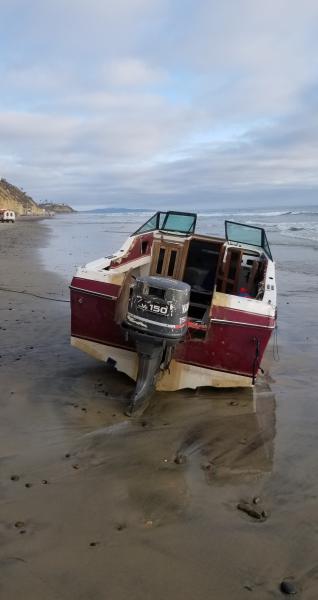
[78,238]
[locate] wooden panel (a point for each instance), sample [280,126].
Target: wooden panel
[227,281]
[183,258]
[168,248]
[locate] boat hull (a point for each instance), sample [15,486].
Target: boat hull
[226,354]
[179,376]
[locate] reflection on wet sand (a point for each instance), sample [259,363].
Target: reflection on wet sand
[183,444]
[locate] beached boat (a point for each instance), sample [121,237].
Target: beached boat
[175,309]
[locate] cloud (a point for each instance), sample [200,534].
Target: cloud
[152,99]
[131,72]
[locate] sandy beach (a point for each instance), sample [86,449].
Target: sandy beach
[96,506]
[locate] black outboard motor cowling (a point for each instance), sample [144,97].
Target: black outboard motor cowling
[159,306]
[156,320]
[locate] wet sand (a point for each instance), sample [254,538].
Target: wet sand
[97,506]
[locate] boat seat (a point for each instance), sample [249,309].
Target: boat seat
[199,279]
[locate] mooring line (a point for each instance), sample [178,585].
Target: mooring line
[2,289]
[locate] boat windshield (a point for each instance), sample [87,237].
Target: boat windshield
[176,222]
[247,234]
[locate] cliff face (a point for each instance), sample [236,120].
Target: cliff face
[15,199]
[57,208]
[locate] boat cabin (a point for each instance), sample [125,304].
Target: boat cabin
[233,265]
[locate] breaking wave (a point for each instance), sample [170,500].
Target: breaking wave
[268,213]
[303,230]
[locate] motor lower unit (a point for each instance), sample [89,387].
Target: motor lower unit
[156,320]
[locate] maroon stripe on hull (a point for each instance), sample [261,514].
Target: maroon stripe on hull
[92,317]
[98,287]
[227,347]
[224,313]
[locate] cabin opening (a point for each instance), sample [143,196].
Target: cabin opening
[200,273]
[144,246]
[241,273]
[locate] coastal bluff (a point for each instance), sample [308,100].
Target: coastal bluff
[56,208]
[16,199]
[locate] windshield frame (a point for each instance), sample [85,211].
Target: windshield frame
[161,219]
[264,241]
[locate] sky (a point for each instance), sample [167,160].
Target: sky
[160,103]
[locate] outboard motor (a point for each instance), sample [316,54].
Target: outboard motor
[157,321]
